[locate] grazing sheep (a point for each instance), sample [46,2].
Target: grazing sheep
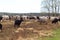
[38,18]
[18,22]
[5,17]
[59,19]
[0,26]
[32,18]
[52,18]
[42,20]
[1,18]
[55,20]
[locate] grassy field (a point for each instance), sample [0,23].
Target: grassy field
[55,37]
[30,30]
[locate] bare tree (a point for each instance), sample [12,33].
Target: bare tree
[52,6]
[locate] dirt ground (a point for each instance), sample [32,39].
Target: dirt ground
[28,30]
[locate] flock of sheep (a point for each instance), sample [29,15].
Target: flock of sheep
[19,19]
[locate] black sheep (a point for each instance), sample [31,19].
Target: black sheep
[55,20]
[59,19]
[1,18]
[38,18]
[1,27]
[18,22]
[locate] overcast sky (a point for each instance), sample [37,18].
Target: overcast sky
[20,6]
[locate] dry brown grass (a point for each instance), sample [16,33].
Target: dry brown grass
[28,30]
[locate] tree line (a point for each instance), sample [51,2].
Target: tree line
[52,6]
